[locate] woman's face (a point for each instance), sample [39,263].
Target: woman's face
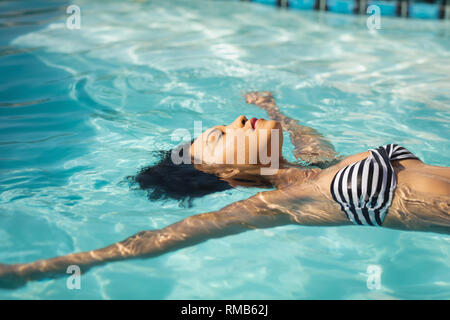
[254,141]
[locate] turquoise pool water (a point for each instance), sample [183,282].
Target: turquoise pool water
[82,109]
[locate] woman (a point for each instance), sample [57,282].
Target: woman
[387,187]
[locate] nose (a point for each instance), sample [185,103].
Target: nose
[240,121]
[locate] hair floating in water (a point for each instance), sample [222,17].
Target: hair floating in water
[183,182]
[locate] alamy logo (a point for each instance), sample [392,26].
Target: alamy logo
[374,20]
[74,281]
[74,20]
[374,277]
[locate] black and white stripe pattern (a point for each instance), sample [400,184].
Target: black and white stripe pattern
[365,188]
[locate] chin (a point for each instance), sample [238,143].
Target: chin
[268,124]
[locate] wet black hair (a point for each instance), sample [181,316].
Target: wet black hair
[182,182]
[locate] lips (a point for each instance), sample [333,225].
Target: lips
[253,122]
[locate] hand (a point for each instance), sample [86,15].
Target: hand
[259,98]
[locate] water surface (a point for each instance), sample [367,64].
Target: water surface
[82,109]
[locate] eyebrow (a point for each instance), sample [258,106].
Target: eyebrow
[215,129]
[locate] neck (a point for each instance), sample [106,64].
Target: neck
[250,175]
[287,174]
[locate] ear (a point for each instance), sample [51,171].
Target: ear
[228,173]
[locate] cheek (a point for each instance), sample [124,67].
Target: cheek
[244,150]
[274,138]
[250,148]
[252,144]
[228,149]
[216,154]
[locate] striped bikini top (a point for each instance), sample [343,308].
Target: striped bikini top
[365,188]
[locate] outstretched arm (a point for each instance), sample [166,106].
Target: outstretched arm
[232,219]
[310,145]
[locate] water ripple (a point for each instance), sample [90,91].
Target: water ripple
[136,71]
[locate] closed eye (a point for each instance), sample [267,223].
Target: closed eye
[217,132]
